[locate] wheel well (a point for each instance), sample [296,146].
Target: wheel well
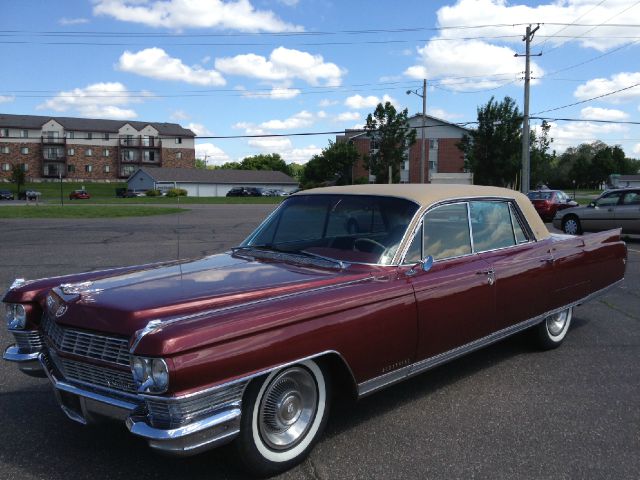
[344,384]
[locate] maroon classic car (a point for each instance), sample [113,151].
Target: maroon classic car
[352,288]
[548,202]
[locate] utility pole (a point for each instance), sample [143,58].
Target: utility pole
[526,167]
[423,126]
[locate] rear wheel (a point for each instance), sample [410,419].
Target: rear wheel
[571,225]
[283,415]
[551,332]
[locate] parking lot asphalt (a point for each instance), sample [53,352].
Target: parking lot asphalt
[507,411]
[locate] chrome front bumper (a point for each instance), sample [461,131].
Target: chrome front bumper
[86,404]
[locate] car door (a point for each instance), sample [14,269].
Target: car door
[628,212]
[602,216]
[522,268]
[455,297]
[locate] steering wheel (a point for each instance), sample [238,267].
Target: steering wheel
[369,241]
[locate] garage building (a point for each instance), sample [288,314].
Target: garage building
[208,183]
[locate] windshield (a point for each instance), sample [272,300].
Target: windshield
[350,228]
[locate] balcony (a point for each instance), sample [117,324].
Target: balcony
[53,170]
[48,140]
[139,141]
[54,157]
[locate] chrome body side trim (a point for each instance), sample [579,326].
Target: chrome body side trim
[370,386]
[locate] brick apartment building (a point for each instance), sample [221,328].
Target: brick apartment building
[90,149]
[444,161]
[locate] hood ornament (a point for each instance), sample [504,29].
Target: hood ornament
[82,288]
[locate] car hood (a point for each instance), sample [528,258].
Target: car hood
[123,303]
[576,210]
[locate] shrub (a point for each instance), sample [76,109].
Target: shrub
[177,192]
[153,193]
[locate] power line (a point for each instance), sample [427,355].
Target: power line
[588,99]
[567,26]
[593,120]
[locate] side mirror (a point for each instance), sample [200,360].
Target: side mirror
[425,265]
[592,205]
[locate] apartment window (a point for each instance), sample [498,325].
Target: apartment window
[4,132]
[433,143]
[89,135]
[24,167]
[71,134]
[178,155]
[6,167]
[4,149]
[107,168]
[71,168]
[24,150]
[88,168]
[88,152]
[149,156]
[71,151]
[106,136]
[178,140]
[24,133]
[105,152]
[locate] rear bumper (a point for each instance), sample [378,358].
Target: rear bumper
[87,404]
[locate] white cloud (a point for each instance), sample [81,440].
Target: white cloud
[212,154]
[179,14]
[600,86]
[283,64]
[357,102]
[327,103]
[489,66]
[443,114]
[575,133]
[271,144]
[7,98]
[179,115]
[301,155]
[347,117]
[512,15]
[321,114]
[276,93]
[636,149]
[595,113]
[299,120]
[102,100]
[73,21]
[155,63]
[199,129]
[285,148]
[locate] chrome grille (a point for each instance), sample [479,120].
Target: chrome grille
[99,347]
[172,413]
[95,375]
[28,341]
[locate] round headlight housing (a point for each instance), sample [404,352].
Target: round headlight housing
[151,375]
[16,316]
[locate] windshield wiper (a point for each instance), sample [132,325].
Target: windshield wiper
[342,264]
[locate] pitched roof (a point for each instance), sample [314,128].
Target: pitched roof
[90,124]
[200,175]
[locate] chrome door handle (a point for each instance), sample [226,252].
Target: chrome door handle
[491,275]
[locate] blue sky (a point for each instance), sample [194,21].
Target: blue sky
[289,66]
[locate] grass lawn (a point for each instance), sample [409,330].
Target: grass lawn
[84,211]
[176,201]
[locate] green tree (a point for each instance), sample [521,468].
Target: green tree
[17,177]
[391,136]
[541,161]
[493,150]
[201,163]
[334,165]
[296,170]
[272,161]
[230,166]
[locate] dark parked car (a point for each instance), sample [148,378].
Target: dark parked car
[548,202]
[247,346]
[613,209]
[6,195]
[245,192]
[79,195]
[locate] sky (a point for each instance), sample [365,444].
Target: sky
[256,67]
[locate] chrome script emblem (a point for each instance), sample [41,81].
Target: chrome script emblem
[55,305]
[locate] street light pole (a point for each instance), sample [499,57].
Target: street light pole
[423,126]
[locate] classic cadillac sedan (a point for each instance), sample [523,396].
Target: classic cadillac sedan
[342,288]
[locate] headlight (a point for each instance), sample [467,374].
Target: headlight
[150,374]
[16,316]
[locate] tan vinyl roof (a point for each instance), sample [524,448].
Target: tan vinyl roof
[429,194]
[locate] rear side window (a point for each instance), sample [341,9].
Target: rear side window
[631,198]
[446,232]
[491,224]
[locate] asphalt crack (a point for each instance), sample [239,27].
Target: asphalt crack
[619,310]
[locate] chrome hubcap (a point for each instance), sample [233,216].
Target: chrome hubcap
[288,408]
[556,323]
[571,227]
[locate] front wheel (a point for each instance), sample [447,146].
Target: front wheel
[282,417]
[571,225]
[551,332]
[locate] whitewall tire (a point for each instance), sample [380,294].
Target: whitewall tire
[551,332]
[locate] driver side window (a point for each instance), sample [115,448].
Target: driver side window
[608,200]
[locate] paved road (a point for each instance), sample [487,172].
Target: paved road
[504,412]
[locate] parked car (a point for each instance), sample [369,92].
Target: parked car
[613,209]
[248,346]
[29,195]
[6,195]
[548,202]
[245,192]
[79,195]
